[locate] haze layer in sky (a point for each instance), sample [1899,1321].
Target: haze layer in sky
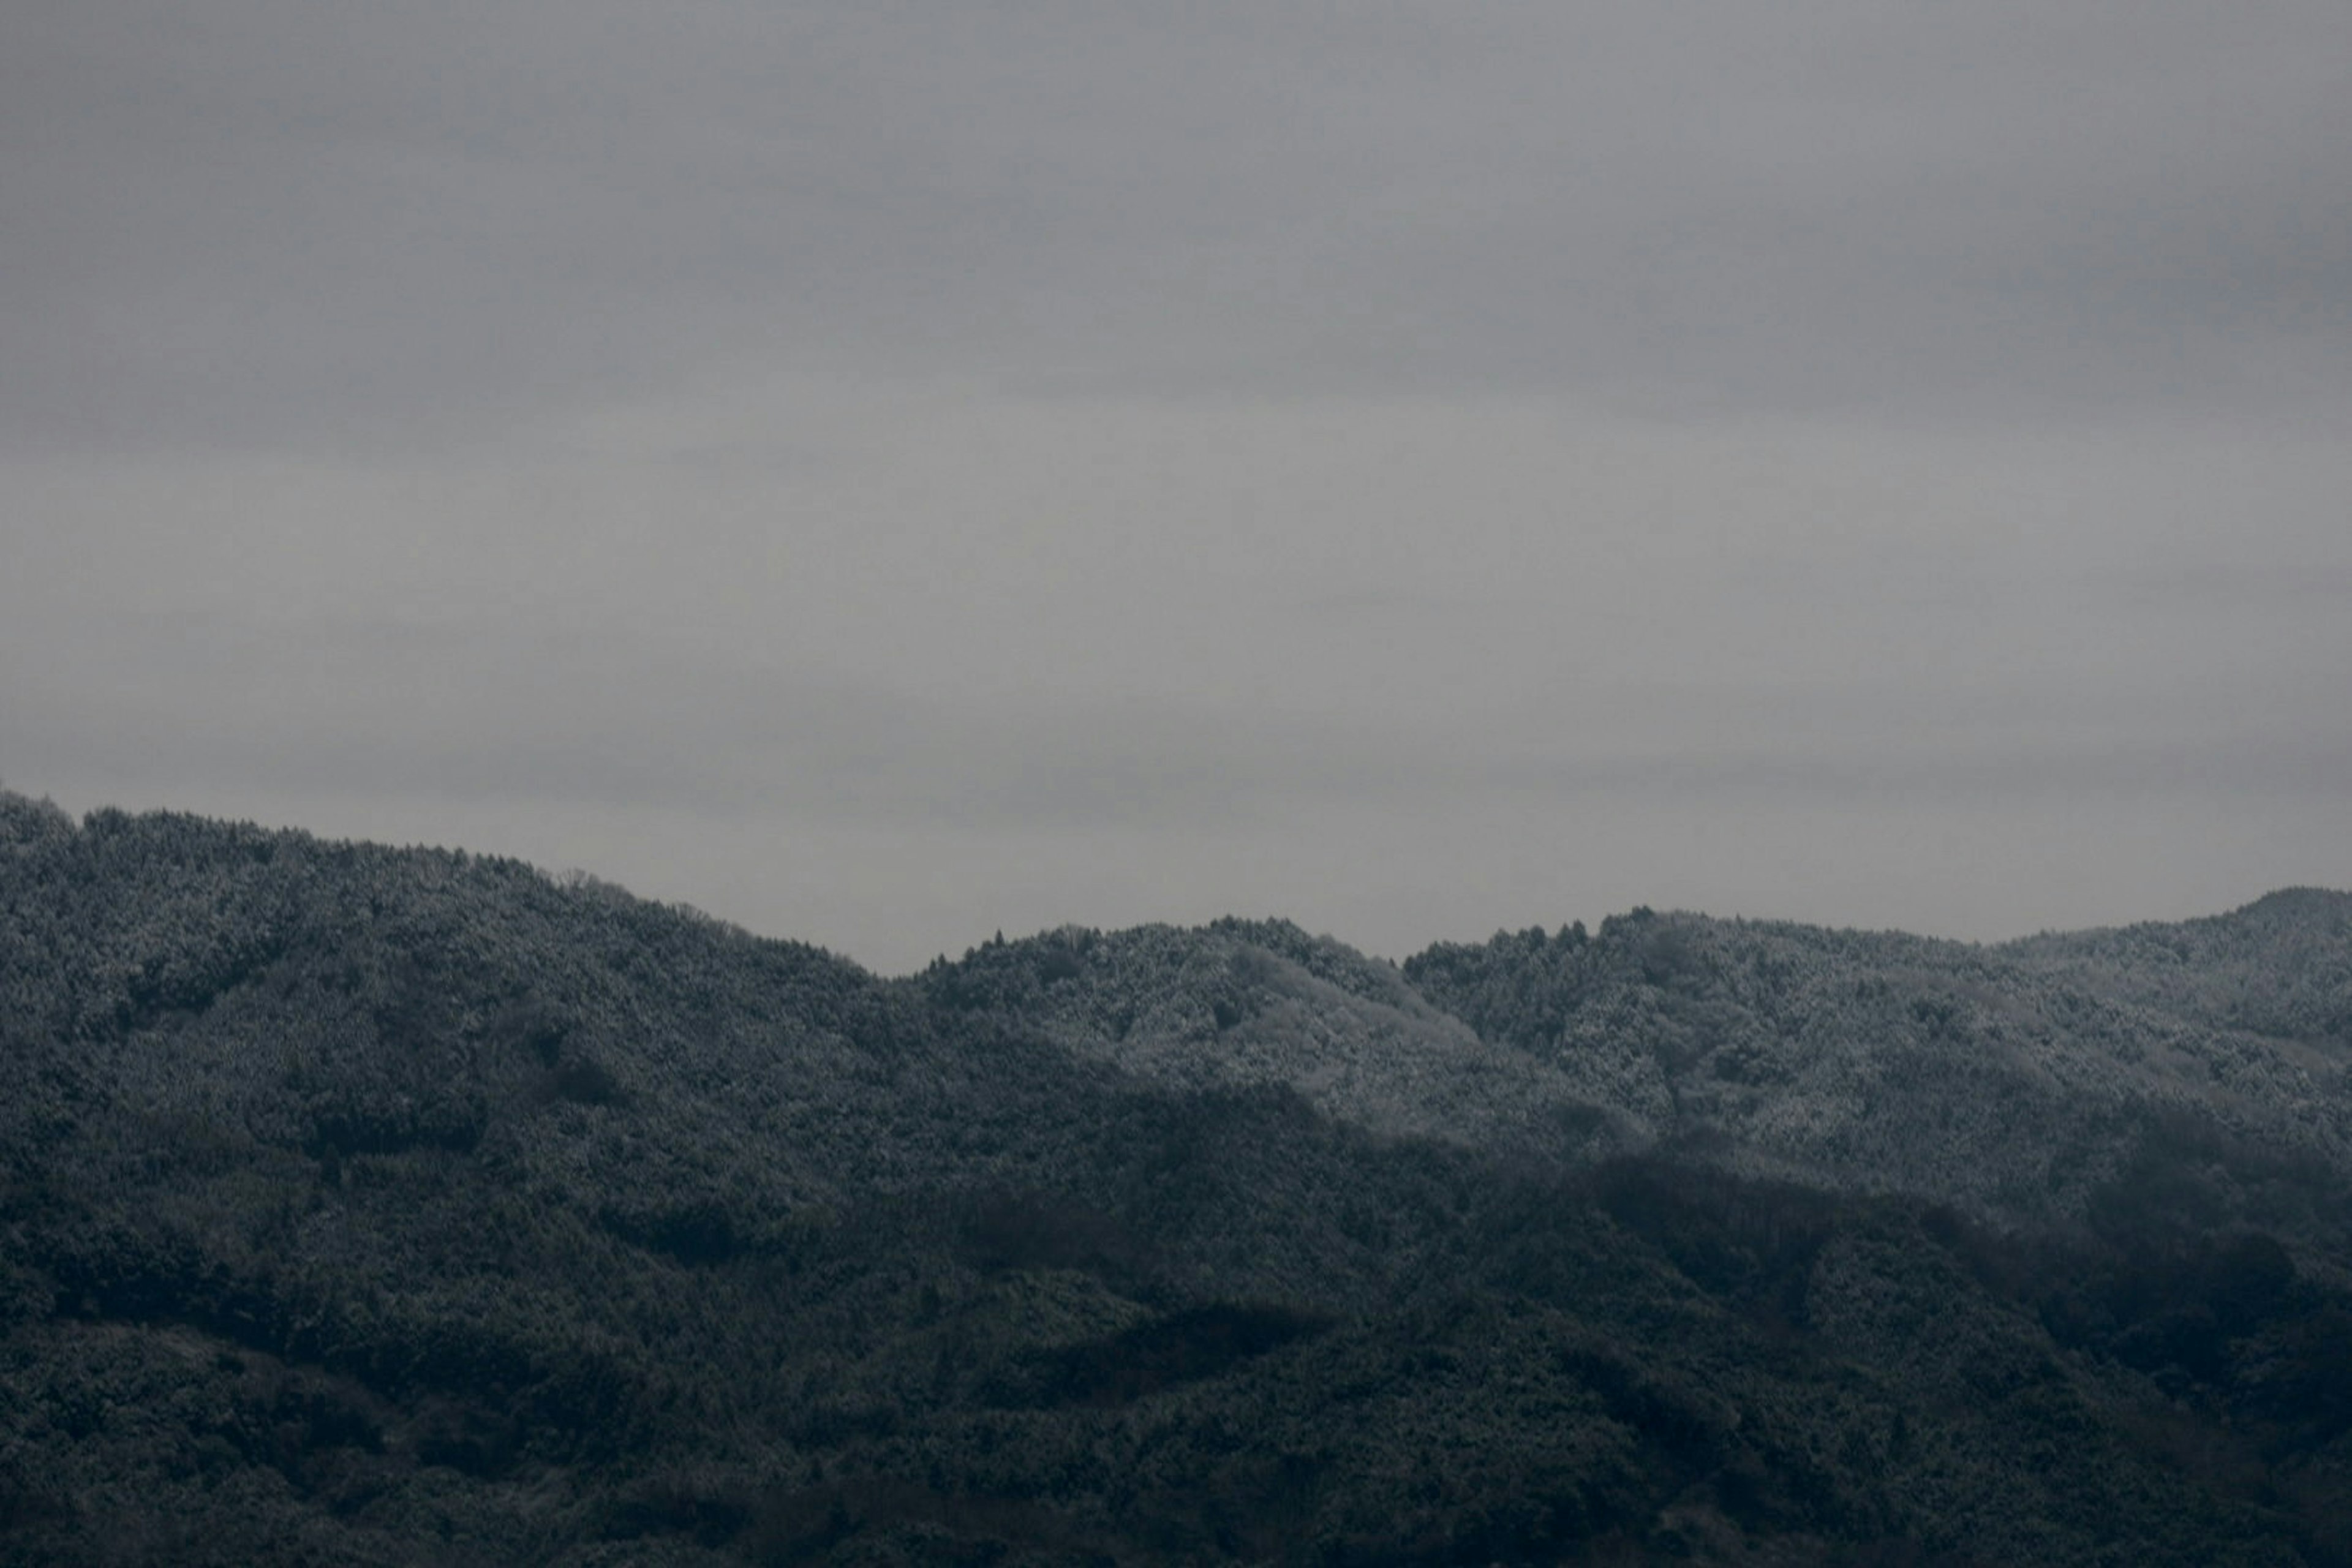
[885,473]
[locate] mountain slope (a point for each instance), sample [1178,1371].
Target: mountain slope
[375,1206]
[2032,1081]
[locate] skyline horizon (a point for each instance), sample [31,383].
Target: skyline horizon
[1589,921]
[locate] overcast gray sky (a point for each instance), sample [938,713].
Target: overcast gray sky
[886,472]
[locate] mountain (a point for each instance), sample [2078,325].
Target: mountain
[361,1204]
[2031,1082]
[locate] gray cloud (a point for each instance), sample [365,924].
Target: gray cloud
[523,717]
[364,225]
[886,472]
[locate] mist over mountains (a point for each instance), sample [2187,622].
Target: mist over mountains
[361,1204]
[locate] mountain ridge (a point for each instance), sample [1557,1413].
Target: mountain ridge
[365,1204]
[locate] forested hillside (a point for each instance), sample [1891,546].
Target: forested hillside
[2036,1081]
[361,1204]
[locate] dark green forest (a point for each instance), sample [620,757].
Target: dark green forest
[374,1206]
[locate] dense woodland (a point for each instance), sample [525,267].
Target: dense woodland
[375,1205]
